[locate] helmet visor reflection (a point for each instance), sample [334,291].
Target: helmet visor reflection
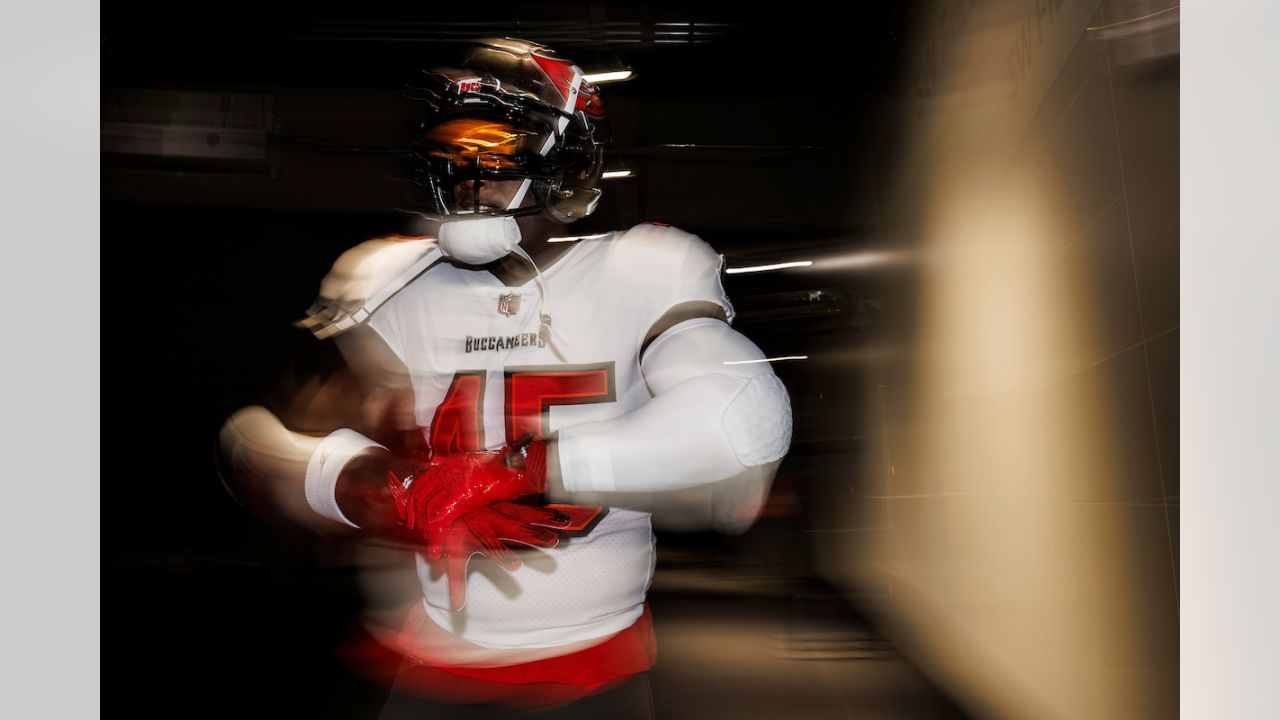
[459,154]
[474,145]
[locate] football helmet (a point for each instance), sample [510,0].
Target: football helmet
[512,110]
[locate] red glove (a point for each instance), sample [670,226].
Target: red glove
[450,486]
[460,504]
[487,530]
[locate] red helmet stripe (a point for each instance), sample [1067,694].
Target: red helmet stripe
[560,72]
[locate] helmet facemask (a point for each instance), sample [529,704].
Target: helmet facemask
[460,155]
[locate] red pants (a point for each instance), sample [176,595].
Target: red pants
[542,683]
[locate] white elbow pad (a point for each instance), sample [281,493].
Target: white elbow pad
[757,422]
[717,410]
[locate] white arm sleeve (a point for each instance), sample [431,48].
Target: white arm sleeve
[718,410]
[299,472]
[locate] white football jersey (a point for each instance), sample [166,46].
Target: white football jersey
[483,377]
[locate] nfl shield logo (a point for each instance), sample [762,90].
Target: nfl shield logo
[509,304]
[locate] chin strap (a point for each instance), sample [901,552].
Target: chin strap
[545,332]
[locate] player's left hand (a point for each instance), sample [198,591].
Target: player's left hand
[488,530]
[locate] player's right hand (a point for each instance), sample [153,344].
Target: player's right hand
[489,531]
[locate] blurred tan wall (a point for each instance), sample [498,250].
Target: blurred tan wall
[1019,534]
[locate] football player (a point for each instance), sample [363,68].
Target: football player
[526,405]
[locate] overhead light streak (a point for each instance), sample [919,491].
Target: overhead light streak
[764,268]
[864,259]
[608,77]
[772,359]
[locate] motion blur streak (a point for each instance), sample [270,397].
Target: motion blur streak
[1028,555]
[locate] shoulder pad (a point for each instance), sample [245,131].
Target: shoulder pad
[365,277]
[657,235]
[683,262]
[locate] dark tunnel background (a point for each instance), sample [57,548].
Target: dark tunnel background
[241,155]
